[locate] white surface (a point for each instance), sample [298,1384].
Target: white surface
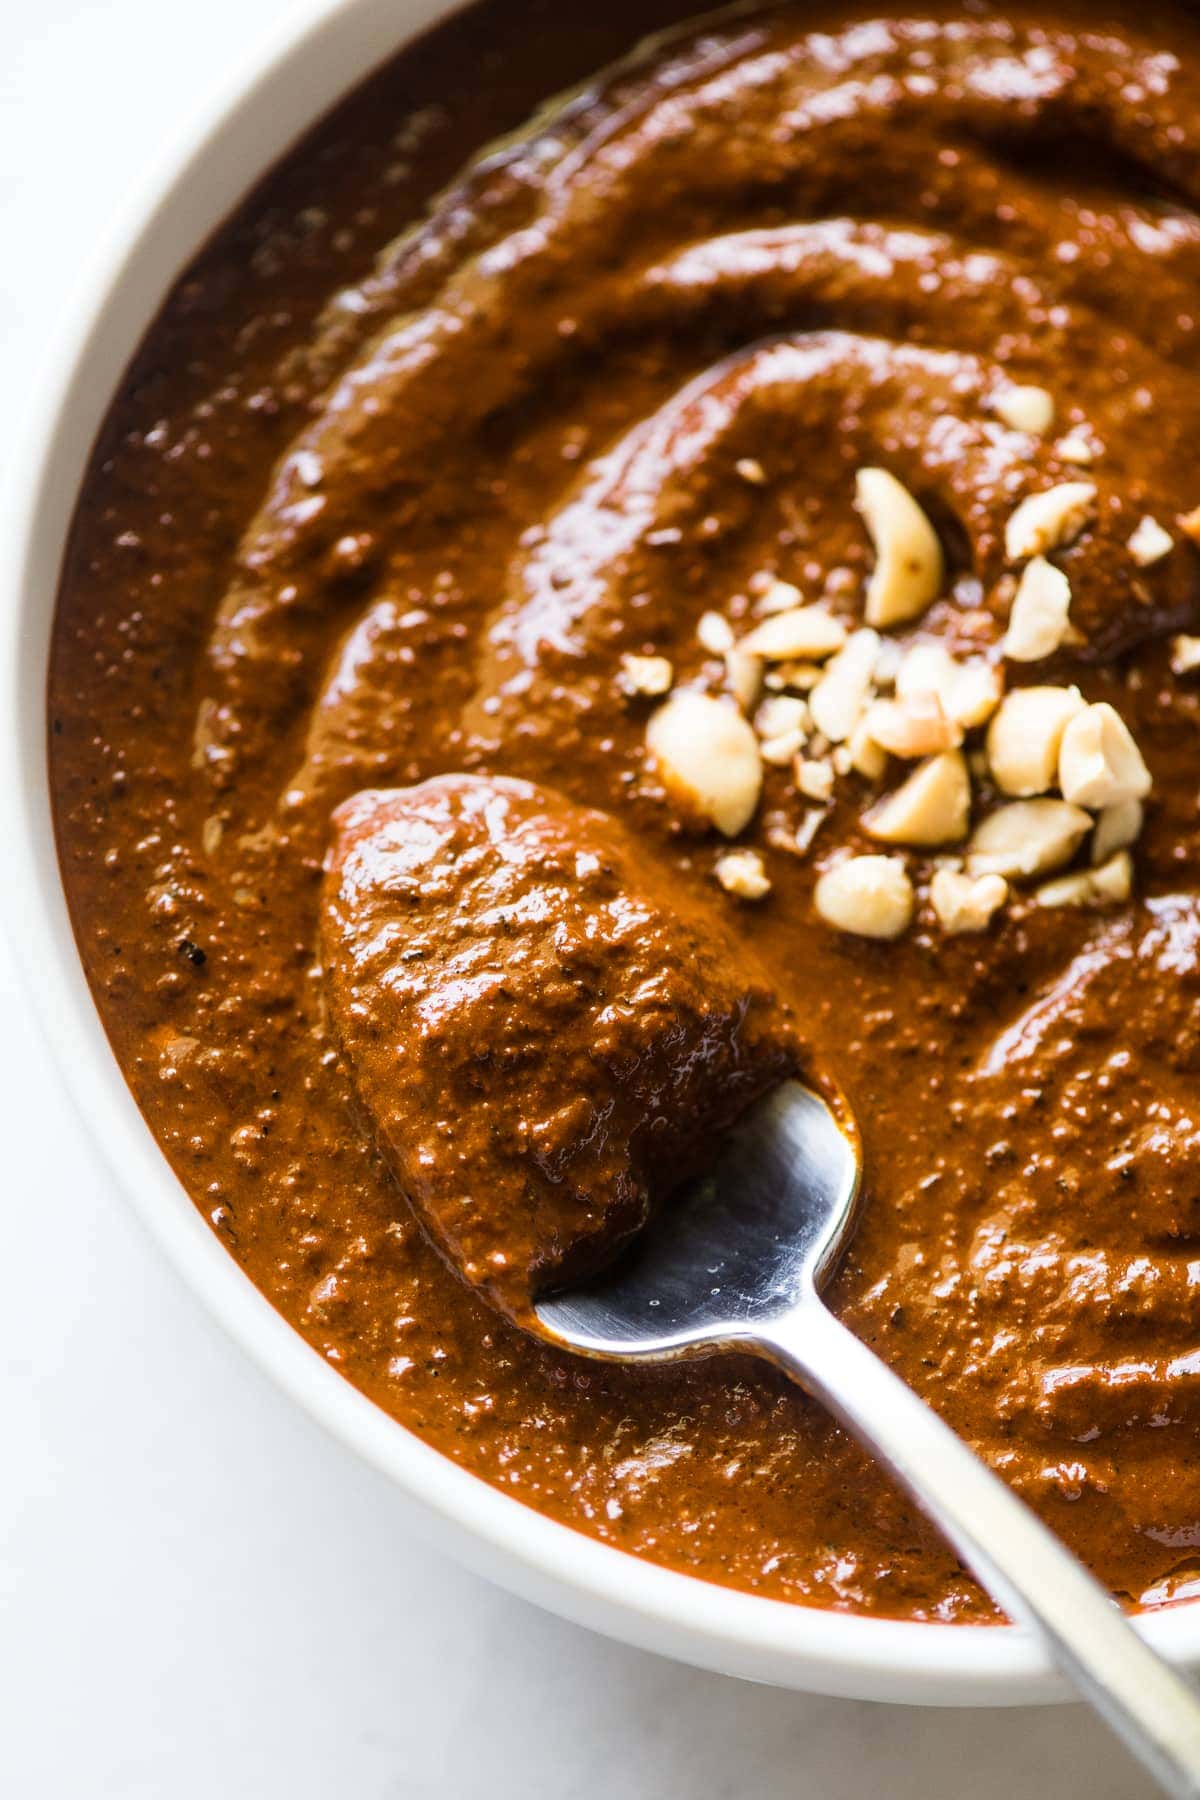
[199,1594]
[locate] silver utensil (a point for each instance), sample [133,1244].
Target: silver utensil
[737,1262]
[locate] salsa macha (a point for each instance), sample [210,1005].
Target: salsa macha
[569,622]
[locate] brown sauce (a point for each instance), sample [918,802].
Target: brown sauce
[379,505]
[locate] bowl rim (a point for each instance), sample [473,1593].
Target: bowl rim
[267,97]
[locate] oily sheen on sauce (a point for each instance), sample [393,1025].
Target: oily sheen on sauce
[380,503]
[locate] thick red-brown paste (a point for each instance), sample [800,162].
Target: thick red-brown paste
[375,525]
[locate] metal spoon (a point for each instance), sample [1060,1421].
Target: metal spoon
[737,1263]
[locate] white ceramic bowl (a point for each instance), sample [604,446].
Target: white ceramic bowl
[326,48]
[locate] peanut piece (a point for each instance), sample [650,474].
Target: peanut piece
[1117,827]
[869,896]
[743,677]
[1038,621]
[913,726]
[707,757]
[1075,449]
[963,903]
[1150,543]
[932,807]
[866,756]
[1048,520]
[1027,838]
[837,701]
[1109,885]
[814,779]
[801,634]
[774,596]
[1099,763]
[715,633]
[646,676]
[1028,409]
[780,713]
[1185,654]
[1025,736]
[743,873]
[908,557]
[969,691]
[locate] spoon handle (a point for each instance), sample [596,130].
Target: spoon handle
[1020,1562]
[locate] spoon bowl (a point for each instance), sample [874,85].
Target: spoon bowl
[737,1249]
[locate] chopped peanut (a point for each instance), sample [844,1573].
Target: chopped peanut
[887,662]
[837,701]
[1117,827]
[743,873]
[780,713]
[1028,409]
[1026,838]
[812,821]
[1185,654]
[715,633]
[1150,543]
[868,757]
[799,675]
[969,692]
[1110,884]
[963,903]
[802,633]
[869,896]
[781,750]
[1025,736]
[912,726]
[646,676]
[743,677]
[707,757]
[1038,622]
[932,807]
[1048,520]
[1099,763]
[814,778]
[908,557]
[1113,880]
[777,596]
[1075,449]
